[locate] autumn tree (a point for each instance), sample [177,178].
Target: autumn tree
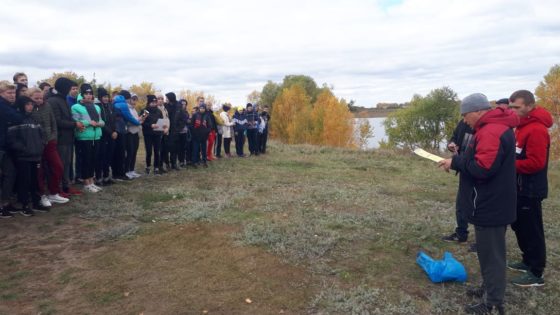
[142,90]
[548,96]
[254,97]
[332,121]
[191,97]
[269,93]
[292,116]
[67,74]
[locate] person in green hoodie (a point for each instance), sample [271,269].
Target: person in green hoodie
[87,139]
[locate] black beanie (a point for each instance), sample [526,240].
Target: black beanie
[63,86]
[21,101]
[503,101]
[101,92]
[249,104]
[86,87]
[126,94]
[171,97]
[150,98]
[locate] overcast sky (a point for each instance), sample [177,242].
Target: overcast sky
[370,51]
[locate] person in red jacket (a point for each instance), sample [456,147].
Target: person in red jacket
[486,187]
[532,151]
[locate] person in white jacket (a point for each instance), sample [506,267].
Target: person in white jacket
[226,128]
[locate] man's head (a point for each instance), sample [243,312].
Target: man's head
[36,95]
[473,107]
[200,100]
[8,91]
[522,102]
[160,99]
[86,91]
[249,107]
[21,78]
[44,86]
[102,95]
[64,85]
[151,100]
[74,90]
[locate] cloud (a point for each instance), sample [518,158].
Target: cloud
[370,51]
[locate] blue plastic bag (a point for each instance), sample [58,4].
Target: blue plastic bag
[447,269]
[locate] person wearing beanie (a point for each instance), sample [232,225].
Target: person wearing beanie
[87,139]
[152,134]
[252,129]
[486,185]
[239,128]
[123,119]
[532,153]
[227,128]
[26,142]
[263,129]
[202,125]
[52,164]
[163,153]
[10,117]
[177,122]
[65,125]
[107,142]
[132,138]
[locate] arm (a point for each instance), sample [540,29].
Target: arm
[536,151]
[60,121]
[487,158]
[77,116]
[125,112]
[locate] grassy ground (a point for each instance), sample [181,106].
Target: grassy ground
[302,230]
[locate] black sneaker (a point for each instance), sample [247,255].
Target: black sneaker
[175,168]
[5,214]
[157,171]
[147,171]
[454,238]
[483,308]
[11,209]
[475,292]
[27,212]
[40,208]
[108,181]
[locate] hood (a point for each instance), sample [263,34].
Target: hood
[500,115]
[119,99]
[63,85]
[537,115]
[171,97]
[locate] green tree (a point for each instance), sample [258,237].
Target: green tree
[548,96]
[67,74]
[269,93]
[427,122]
[306,82]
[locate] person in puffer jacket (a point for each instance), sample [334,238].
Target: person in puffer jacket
[202,125]
[240,127]
[26,142]
[487,192]
[122,117]
[532,151]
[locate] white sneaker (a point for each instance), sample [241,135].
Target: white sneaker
[90,188]
[136,175]
[58,199]
[97,187]
[45,202]
[130,175]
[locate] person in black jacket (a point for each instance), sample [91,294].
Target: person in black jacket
[152,134]
[9,116]
[263,129]
[108,139]
[487,191]
[202,125]
[27,142]
[178,121]
[253,121]
[457,144]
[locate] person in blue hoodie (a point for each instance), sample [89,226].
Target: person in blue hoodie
[241,124]
[122,117]
[9,117]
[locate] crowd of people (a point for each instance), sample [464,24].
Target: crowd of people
[57,142]
[501,155]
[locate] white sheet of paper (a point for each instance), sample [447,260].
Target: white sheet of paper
[160,123]
[428,155]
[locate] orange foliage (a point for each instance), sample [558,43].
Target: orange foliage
[291,114]
[332,121]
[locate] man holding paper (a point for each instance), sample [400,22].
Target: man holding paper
[487,190]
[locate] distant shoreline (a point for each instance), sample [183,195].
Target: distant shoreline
[373,113]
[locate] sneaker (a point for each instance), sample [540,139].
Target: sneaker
[129,175]
[157,171]
[5,214]
[121,178]
[135,174]
[475,292]
[454,238]
[73,191]
[108,181]
[97,187]
[58,199]
[40,208]
[147,171]
[45,202]
[527,280]
[11,209]
[27,212]
[472,248]
[483,308]
[65,195]
[90,189]
[518,266]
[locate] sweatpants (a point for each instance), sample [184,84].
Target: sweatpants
[9,174]
[218,145]
[65,151]
[199,148]
[462,228]
[491,250]
[227,145]
[119,155]
[529,231]
[152,143]
[210,146]
[27,184]
[239,142]
[105,158]
[252,139]
[132,143]
[87,151]
[52,165]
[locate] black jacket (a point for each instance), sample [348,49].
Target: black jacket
[26,140]
[64,121]
[108,116]
[153,117]
[9,116]
[201,124]
[177,118]
[462,135]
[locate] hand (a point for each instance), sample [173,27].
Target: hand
[452,147]
[154,126]
[93,123]
[114,135]
[80,126]
[445,165]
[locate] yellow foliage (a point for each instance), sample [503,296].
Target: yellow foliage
[292,116]
[142,90]
[332,121]
[191,97]
[548,96]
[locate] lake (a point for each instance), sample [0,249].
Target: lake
[378,131]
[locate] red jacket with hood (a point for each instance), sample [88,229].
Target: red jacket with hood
[532,152]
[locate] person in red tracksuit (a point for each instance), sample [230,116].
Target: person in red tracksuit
[487,193]
[532,152]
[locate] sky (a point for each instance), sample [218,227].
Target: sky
[369,51]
